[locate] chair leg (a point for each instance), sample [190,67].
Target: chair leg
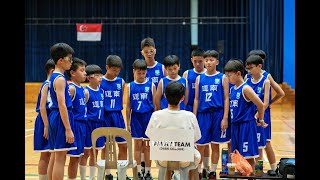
[184,173]
[135,173]
[122,173]
[162,173]
[101,172]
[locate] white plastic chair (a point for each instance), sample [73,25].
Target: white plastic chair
[112,161]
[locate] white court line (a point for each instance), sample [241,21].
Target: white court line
[281,120]
[29,130]
[290,155]
[28,135]
[291,133]
[264,156]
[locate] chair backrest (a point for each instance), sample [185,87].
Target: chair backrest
[110,133]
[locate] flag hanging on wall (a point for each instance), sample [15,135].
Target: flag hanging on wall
[89,32]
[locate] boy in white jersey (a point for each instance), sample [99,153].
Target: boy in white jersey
[211,106]
[242,107]
[140,106]
[174,118]
[40,140]
[77,75]
[279,94]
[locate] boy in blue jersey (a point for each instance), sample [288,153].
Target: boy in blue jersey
[261,86]
[155,70]
[60,120]
[95,110]
[40,140]
[77,75]
[172,65]
[113,87]
[191,75]
[279,94]
[140,106]
[242,111]
[211,106]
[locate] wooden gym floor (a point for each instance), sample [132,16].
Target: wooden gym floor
[283,139]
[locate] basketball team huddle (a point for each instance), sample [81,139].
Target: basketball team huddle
[228,107]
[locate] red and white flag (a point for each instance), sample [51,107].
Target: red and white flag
[89,32]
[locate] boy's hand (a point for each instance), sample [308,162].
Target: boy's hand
[224,124]
[69,136]
[261,123]
[45,133]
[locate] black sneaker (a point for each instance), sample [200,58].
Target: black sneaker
[212,176]
[109,177]
[127,178]
[205,173]
[200,176]
[148,176]
[140,177]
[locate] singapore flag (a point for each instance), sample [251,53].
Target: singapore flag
[89,32]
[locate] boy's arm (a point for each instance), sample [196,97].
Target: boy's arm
[86,93]
[60,85]
[128,108]
[277,88]
[252,96]
[185,74]
[154,90]
[186,97]
[158,96]
[43,109]
[225,85]
[72,90]
[196,96]
[266,94]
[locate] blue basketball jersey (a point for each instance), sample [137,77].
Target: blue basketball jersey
[210,91]
[165,81]
[113,93]
[52,97]
[79,103]
[191,77]
[95,109]
[241,110]
[258,88]
[39,96]
[155,73]
[141,96]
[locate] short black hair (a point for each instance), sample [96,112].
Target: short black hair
[139,64]
[171,60]
[254,59]
[147,42]
[76,62]
[211,53]
[258,52]
[234,65]
[114,61]
[174,91]
[93,69]
[197,52]
[49,65]
[60,50]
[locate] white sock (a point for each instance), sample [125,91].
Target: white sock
[205,162]
[83,173]
[199,168]
[273,166]
[148,169]
[108,171]
[142,157]
[92,172]
[43,177]
[139,168]
[213,167]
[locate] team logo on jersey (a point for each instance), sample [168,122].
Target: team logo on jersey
[217,81]
[119,86]
[157,72]
[146,89]
[259,90]
[238,95]
[147,78]
[102,96]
